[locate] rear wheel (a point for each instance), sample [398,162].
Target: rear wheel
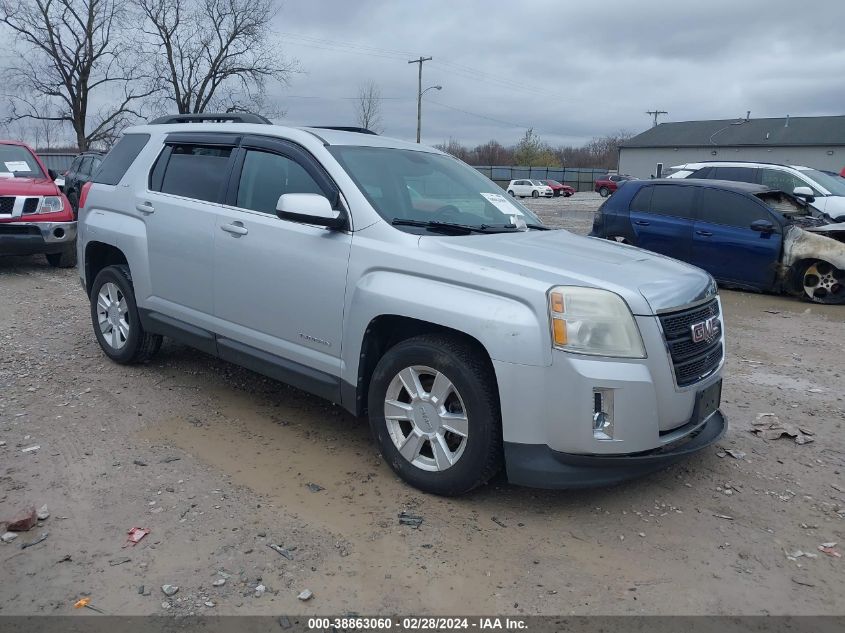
[619,239]
[114,315]
[434,412]
[822,282]
[66,258]
[604,192]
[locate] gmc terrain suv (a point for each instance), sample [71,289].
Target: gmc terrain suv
[35,217]
[398,282]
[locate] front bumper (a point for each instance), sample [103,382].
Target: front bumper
[32,238]
[539,466]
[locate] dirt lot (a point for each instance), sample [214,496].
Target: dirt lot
[215,461]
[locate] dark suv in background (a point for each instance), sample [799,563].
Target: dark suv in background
[80,171]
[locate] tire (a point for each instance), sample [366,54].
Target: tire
[131,343]
[535,194]
[604,192]
[510,191]
[619,239]
[821,282]
[440,461]
[568,195]
[66,258]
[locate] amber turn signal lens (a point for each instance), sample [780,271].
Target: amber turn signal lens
[557,302]
[559,327]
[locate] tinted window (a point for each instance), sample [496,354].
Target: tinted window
[737,174]
[782,180]
[673,200]
[642,201]
[731,209]
[74,166]
[85,167]
[120,158]
[194,171]
[704,172]
[95,164]
[267,176]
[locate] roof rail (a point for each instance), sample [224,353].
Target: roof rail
[343,128]
[211,117]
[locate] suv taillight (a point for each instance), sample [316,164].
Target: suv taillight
[83,195]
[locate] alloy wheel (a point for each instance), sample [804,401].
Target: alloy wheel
[823,281]
[426,418]
[112,318]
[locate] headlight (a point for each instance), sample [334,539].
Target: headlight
[51,204]
[593,321]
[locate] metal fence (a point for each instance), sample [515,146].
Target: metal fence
[581,178]
[59,162]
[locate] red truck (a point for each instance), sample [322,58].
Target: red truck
[35,216]
[558,189]
[609,183]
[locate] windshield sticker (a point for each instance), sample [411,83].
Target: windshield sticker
[502,204]
[17,165]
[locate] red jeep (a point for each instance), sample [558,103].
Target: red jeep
[35,217]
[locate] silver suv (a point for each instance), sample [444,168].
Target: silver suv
[398,282]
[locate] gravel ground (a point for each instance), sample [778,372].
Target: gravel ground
[215,461]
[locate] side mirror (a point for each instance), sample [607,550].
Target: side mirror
[309,208]
[762,226]
[804,192]
[53,174]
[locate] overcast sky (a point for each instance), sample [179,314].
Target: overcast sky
[572,70]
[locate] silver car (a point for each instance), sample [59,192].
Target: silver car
[399,283]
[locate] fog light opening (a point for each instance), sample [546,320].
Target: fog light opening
[603,414]
[58,233]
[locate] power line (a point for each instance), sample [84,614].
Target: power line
[656,113]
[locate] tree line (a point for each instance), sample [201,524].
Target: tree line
[95,66]
[532,151]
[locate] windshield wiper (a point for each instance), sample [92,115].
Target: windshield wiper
[539,227]
[464,229]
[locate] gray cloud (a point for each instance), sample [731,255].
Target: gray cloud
[570,70]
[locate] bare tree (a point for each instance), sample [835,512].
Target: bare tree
[213,54]
[368,107]
[73,66]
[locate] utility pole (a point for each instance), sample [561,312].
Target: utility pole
[656,113]
[419,93]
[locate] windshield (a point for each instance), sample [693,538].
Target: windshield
[834,184]
[19,161]
[423,187]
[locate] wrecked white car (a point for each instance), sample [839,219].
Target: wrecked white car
[745,235]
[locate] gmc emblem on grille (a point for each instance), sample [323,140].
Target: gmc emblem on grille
[705,330]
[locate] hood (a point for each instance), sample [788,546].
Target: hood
[28,187]
[834,206]
[649,282]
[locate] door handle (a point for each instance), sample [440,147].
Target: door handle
[641,222]
[145,207]
[704,233]
[237,229]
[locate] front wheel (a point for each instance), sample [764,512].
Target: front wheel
[604,192]
[114,315]
[434,412]
[535,194]
[822,282]
[510,191]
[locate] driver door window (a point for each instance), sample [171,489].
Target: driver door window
[782,180]
[266,176]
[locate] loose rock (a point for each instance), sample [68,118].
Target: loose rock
[169,590]
[43,513]
[23,521]
[306,595]
[8,537]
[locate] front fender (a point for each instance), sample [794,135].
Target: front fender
[510,330]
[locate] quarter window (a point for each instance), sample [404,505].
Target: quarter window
[674,200]
[117,162]
[266,176]
[194,171]
[731,209]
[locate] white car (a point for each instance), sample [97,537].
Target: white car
[533,188]
[828,190]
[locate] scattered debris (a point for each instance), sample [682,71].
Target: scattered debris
[135,535]
[798,554]
[406,518]
[23,520]
[498,522]
[284,622]
[141,590]
[802,582]
[65,559]
[2,443]
[166,605]
[43,513]
[169,590]
[139,462]
[118,561]
[86,602]
[259,590]
[830,550]
[306,595]
[314,487]
[769,427]
[736,454]
[209,603]
[167,460]
[219,582]
[40,539]
[723,516]
[8,537]
[30,449]
[281,550]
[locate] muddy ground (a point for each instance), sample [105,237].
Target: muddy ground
[215,461]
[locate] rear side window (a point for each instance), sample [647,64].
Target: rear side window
[192,171]
[730,209]
[736,174]
[673,200]
[117,162]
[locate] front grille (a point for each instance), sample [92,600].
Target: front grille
[7,203]
[31,205]
[692,360]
